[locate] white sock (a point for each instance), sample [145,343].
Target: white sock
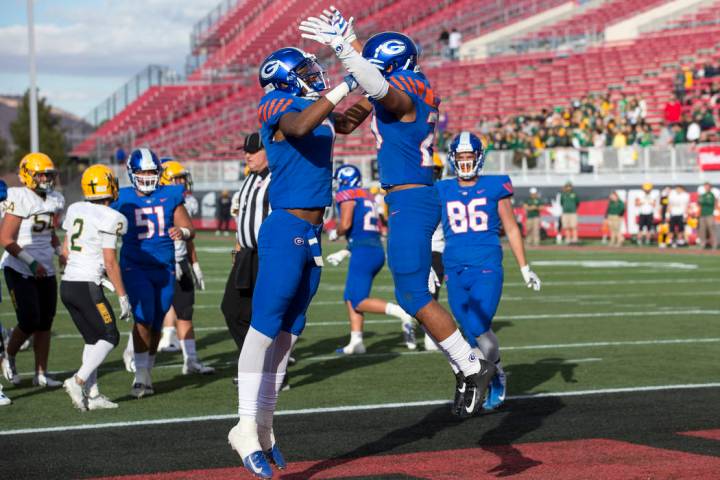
[460,353]
[130,347]
[394,310]
[250,372]
[248,442]
[356,337]
[188,348]
[93,356]
[151,362]
[141,366]
[168,333]
[266,436]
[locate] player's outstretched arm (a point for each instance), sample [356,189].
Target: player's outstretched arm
[507,216]
[183,229]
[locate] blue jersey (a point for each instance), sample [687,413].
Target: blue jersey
[147,243]
[301,167]
[405,149]
[364,230]
[470,220]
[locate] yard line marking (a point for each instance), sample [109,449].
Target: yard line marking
[355,408]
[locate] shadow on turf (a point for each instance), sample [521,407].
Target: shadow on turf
[511,424]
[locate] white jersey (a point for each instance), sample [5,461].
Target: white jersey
[192,207]
[90,228]
[438,239]
[646,202]
[36,229]
[678,203]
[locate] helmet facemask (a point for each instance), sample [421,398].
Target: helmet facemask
[467,164]
[311,77]
[48,184]
[146,181]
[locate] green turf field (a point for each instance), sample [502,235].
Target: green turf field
[603,320]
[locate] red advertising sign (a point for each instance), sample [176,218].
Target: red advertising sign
[709,157]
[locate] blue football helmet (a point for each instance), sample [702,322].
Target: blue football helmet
[348,176]
[144,160]
[293,71]
[390,52]
[467,142]
[3,190]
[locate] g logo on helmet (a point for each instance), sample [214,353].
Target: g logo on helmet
[269,69]
[346,171]
[391,47]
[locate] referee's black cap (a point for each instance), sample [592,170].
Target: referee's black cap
[253,143]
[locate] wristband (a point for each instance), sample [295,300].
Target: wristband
[185,232]
[335,95]
[25,258]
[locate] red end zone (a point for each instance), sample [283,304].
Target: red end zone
[551,460]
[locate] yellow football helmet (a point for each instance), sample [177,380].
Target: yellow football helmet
[175,174]
[98,183]
[34,164]
[647,186]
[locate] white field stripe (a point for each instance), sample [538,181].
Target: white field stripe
[355,408]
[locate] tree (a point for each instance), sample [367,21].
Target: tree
[52,138]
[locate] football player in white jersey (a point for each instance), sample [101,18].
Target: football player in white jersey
[92,232]
[28,236]
[178,320]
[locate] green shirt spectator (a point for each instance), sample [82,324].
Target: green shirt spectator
[707,203]
[616,207]
[532,207]
[569,201]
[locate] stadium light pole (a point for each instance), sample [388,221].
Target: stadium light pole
[34,138]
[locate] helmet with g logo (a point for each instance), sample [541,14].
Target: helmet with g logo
[391,52]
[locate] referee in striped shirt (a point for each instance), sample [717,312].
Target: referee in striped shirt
[254,207]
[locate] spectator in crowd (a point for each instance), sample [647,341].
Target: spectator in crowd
[672,112]
[646,208]
[454,43]
[443,39]
[532,210]
[615,214]
[222,213]
[569,202]
[679,85]
[678,202]
[693,131]
[665,136]
[706,229]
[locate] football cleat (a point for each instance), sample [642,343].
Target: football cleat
[46,381]
[192,365]
[475,387]
[408,329]
[276,457]
[459,399]
[100,402]
[129,360]
[76,393]
[255,463]
[4,400]
[430,344]
[139,390]
[9,371]
[496,391]
[351,349]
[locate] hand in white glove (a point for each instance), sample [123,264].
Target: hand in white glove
[336,258]
[125,308]
[332,235]
[344,26]
[433,281]
[531,279]
[198,274]
[105,282]
[323,31]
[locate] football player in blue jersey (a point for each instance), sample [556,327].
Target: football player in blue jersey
[298,129]
[156,218]
[358,222]
[474,208]
[405,113]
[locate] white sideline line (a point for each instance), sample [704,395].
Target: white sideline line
[354,408]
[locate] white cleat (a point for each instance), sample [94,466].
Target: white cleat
[129,360]
[351,349]
[76,393]
[193,365]
[100,402]
[4,400]
[169,343]
[46,381]
[430,344]
[9,371]
[143,385]
[408,329]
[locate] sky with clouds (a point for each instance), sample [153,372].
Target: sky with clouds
[86,49]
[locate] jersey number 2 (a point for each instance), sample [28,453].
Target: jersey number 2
[142,220]
[462,217]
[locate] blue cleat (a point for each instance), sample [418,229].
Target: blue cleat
[496,391]
[257,464]
[276,457]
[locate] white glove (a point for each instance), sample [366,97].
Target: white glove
[433,281]
[178,272]
[345,26]
[336,258]
[332,235]
[105,282]
[125,308]
[530,278]
[198,274]
[323,31]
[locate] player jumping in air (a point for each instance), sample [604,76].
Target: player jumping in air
[474,208]
[405,114]
[358,222]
